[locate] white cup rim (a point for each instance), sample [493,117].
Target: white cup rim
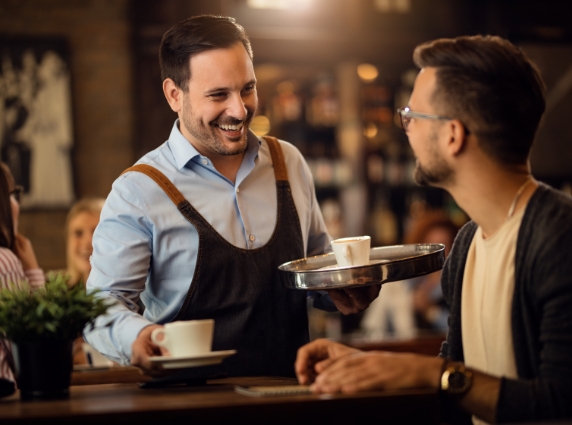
[351,239]
[188,322]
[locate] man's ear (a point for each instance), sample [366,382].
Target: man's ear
[173,94]
[457,137]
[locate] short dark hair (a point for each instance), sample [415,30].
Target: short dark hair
[193,36]
[492,87]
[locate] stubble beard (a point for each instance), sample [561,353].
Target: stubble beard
[209,137]
[437,172]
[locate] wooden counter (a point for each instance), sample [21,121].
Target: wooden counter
[216,402]
[112,375]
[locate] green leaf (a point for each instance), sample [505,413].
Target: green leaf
[57,311]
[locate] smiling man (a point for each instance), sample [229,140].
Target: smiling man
[197,228]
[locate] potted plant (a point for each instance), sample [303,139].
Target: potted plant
[42,325]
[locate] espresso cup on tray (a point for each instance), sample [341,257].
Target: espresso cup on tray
[352,251]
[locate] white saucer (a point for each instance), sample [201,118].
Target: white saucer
[214,357]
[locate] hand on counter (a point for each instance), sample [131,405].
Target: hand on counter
[316,356]
[336,368]
[143,348]
[354,300]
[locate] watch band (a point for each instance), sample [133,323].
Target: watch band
[456,378]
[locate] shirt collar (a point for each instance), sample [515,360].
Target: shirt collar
[184,151]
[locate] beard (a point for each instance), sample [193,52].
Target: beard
[436,172]
[439,173]
[210,136]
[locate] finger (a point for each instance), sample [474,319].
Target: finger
[343,301]
[323,365]
[301,364]
[335,351]
[362,297]
[154,370]
[342,370]
[328,379]
[338,295]
[306,357]
[147,366]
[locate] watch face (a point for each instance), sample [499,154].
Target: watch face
[457,380]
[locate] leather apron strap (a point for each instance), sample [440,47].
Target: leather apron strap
[165,184]
[280,171]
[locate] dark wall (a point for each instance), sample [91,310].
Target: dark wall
[342,30]
[98,35]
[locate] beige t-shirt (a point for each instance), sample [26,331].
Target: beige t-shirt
[486,301]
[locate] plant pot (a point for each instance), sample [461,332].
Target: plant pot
[43,369]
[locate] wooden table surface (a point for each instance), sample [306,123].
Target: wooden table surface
[112,375]
[216,402]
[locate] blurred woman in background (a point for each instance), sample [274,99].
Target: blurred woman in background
[18,264]
[81,222]
[17,258]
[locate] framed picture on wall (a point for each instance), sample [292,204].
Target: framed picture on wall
[36,123]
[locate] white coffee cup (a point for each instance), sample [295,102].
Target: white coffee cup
[352,251]
[185,338]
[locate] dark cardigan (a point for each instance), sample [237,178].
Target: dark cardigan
[541,310]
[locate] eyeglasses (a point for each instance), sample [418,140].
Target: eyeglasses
[17,193]
[407,114]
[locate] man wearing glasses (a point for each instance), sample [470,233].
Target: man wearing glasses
[471,120]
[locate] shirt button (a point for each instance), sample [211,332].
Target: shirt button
[252,238]
[205,161]
[237,190]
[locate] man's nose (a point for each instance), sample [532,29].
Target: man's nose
[237,108]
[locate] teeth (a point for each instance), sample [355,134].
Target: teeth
[228,127]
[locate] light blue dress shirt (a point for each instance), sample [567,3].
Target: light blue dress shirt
[144,248]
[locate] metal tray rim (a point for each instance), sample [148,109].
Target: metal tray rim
[379,272]
[328,254]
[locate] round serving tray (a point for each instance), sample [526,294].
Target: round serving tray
[387,264]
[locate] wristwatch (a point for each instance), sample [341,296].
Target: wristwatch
[456,379]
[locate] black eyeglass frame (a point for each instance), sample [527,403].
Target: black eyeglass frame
[405,115]
[17,193]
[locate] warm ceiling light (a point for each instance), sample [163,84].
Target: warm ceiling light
[370,130]
[279,4]
[367,72]
[260,125]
